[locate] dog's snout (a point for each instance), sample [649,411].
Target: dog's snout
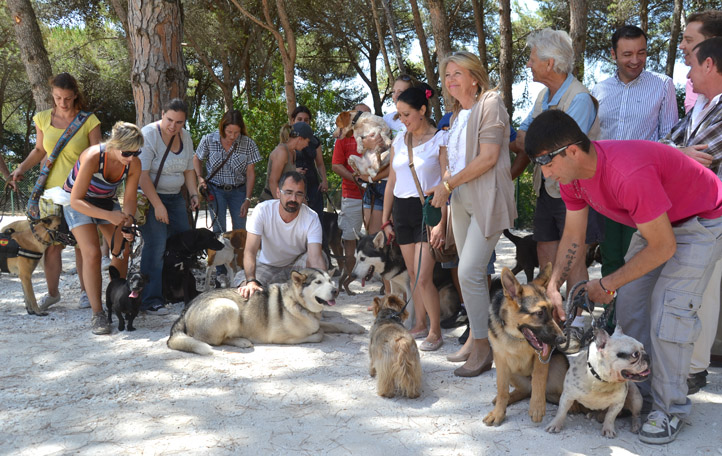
[560,340]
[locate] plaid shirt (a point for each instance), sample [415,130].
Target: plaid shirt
[244,152]
[708,131]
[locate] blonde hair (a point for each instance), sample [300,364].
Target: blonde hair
[470,62]
[285,133]
[125,137]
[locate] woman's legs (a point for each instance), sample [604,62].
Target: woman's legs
[53,266]
[428,291]
[89,245]
[407,251]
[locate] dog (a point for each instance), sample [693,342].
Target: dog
[602,378]
[181,255]
[224,257]
[287,313]
[362,124]
[395,360]
[238,241]
[523,334]
[332,242]
[375,257]
[123,296]
[526,254]
[22,244]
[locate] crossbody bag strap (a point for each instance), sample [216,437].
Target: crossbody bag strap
[218,168]
[410,148]
[162,161]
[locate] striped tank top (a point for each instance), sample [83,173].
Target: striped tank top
[100,186]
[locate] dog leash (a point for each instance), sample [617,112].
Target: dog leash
[580,300]
[132,229]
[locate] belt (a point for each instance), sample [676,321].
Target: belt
[228,187]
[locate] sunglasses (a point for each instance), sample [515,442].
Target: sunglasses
[127,153]
[547,158]
[404,77]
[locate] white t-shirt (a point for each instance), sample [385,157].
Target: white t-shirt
[172,178]
[281,242]
[456,148]
[426,164]
[395,125]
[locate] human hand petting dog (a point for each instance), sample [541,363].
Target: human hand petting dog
[556,299]
[248,289]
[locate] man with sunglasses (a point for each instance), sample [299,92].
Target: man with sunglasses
[288,234]
[676,205]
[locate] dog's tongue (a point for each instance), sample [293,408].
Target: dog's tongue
[133,294]
[545,350]
[331,302]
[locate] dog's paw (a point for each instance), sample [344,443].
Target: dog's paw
[537,413]
[554,427]
[239,342]
[609,431]
[636,425]
[131,328]
[494,418]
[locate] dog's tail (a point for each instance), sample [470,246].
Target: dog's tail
[408,366]
[179,340]
[513,238]
[113,272]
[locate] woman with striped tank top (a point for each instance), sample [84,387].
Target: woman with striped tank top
[93,184]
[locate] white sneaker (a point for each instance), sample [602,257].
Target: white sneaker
[49,301]
[105,263]
[84,302]
[660,428]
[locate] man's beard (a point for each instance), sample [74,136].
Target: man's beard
[291,206]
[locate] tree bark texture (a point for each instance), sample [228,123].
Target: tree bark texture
[644,15]
[478,6]
[428,64]
[32,51]
[121,10]
[158,71]
[394,38]
[440,28]
[674,37]
[578,33]
[506,54]
[382,44]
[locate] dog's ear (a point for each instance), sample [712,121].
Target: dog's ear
[343,120]
[601,338]
[298,278]
[512,287]
[618,331]
[545,274]
[379,240]
[377,305]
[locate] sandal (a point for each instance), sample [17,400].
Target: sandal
[431,346]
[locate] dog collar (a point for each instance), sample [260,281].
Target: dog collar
[356,117]
[594,373]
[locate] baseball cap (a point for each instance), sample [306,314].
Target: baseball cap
[302,129]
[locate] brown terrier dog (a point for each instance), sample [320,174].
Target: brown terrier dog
[393,352]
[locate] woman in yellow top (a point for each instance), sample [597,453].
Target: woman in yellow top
[50,125]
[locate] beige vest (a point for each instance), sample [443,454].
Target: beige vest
[574,89]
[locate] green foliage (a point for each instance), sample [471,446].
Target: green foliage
[525,200]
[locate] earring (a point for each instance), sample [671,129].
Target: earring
[473,83]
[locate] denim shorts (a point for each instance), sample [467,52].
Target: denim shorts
[76,219]
[375,191]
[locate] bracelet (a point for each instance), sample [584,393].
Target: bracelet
[448,186]
[388,222]
[194,196]
[610,293]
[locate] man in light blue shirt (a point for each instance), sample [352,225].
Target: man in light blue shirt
[633,104]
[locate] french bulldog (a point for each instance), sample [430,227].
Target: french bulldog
[602,378]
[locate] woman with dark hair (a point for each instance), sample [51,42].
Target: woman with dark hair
[230,170]
[52,127]
[402,200]
[282,159]
[309,162]
[92,184]
[167,159]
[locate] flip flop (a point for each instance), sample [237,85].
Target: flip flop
[431,346]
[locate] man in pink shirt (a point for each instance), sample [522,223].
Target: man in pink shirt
[676,205]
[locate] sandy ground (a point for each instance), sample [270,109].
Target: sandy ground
[66,391]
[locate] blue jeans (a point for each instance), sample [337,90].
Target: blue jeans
[232,200]
[155,234]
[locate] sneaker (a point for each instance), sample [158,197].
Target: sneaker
[576,335]
[100,324]
[105,263]
[158,309]
[84,302]
[696,382]
[49,301]
[660,428]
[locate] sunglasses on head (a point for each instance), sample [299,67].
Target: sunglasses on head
[404,77]
[547,158]
[130,153]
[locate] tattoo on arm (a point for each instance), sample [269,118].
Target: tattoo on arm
[570,256]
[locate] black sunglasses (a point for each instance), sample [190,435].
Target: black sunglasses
[127,153]
[547,158]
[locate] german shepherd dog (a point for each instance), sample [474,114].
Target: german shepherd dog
[24,243]
[523,335]
[395,360]
[287,313]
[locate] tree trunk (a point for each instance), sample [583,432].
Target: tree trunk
[440,28]
[382,44]
[428,64]
[121,10]
[578,33]
[394,38]
[32,51]
[674,37]
[644,15]
[158,72]
[478,6]
[506,54]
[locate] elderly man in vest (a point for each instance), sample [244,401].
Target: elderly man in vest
[551,61]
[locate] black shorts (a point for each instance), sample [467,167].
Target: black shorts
[549,217]
[408,219]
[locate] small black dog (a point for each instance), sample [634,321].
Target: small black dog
[526,254]
[123,296]
[182,252]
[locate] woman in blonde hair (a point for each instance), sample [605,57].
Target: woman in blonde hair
[283,158]
[92,185]
[478,178]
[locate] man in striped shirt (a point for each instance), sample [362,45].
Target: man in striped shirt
[633,104]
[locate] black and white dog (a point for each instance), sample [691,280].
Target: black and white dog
[375,257]
[182,252]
